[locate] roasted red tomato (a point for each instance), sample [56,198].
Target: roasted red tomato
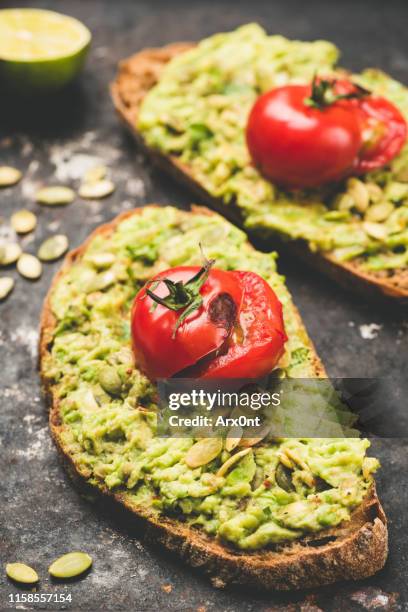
[258,338]
[190,317]
[384,132]
[302,136]
[383,128]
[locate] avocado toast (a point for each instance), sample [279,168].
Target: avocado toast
[188,104]
[240,528]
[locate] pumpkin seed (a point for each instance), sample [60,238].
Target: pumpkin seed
[53,248]
[233,438]
[379,212]
[95,174]
[232,461]
[101,281]
[402,174]
[6,286]
[9,176]
[359,193]
[378,231]
[344,202]
[246,442]
[283,478]
[396,192]
[9,253]
[55,196]
[283,458]
[203,451]
[29,266]
[336,215]
[95,191]
[23,221]
[101,260]
[294,457]
[70,565]
[374,191]
[20,572]
[110,380]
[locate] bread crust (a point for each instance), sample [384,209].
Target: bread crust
[135,77]
[353,550]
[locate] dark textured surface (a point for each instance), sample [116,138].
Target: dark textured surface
[42,515]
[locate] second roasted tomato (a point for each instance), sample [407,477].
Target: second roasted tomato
[205,322]
[302,136]
[297,145]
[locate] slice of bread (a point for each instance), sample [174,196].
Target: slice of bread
[355,549]
[136,76]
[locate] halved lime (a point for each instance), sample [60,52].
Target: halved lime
[40,50]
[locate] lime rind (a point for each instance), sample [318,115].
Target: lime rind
[40,50]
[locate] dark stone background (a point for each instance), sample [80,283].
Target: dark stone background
[42,514]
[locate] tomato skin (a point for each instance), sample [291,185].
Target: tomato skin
[263,335]
[247,343]
[299,146]
[159,352]
[381,118]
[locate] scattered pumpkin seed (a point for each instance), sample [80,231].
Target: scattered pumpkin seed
[396,192]
[402,174]
[95,191]
[88,401]
[20,572]
[53,248]
[203,451]
[379,212]
[29,266]
[9,253]
[295,457]
[336,215]
[232,461]
[101,260]
[6,286]
[55,196]
[70,565]
[283,478]
[9,176]
[344,201]
[247,442]
[359,193]
[23,221]
[101,281]
[378,231]
[233,438]
[374,191]
[110,380]
[283,458]
[95,174]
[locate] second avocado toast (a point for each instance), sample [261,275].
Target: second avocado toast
[188,105]
[245,526]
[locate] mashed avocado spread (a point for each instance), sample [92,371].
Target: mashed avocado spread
[198,112]
[278,490]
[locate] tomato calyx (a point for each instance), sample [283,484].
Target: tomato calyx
[182,295]
[324,93]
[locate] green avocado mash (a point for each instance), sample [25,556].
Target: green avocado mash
[198,112]
[276,491]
